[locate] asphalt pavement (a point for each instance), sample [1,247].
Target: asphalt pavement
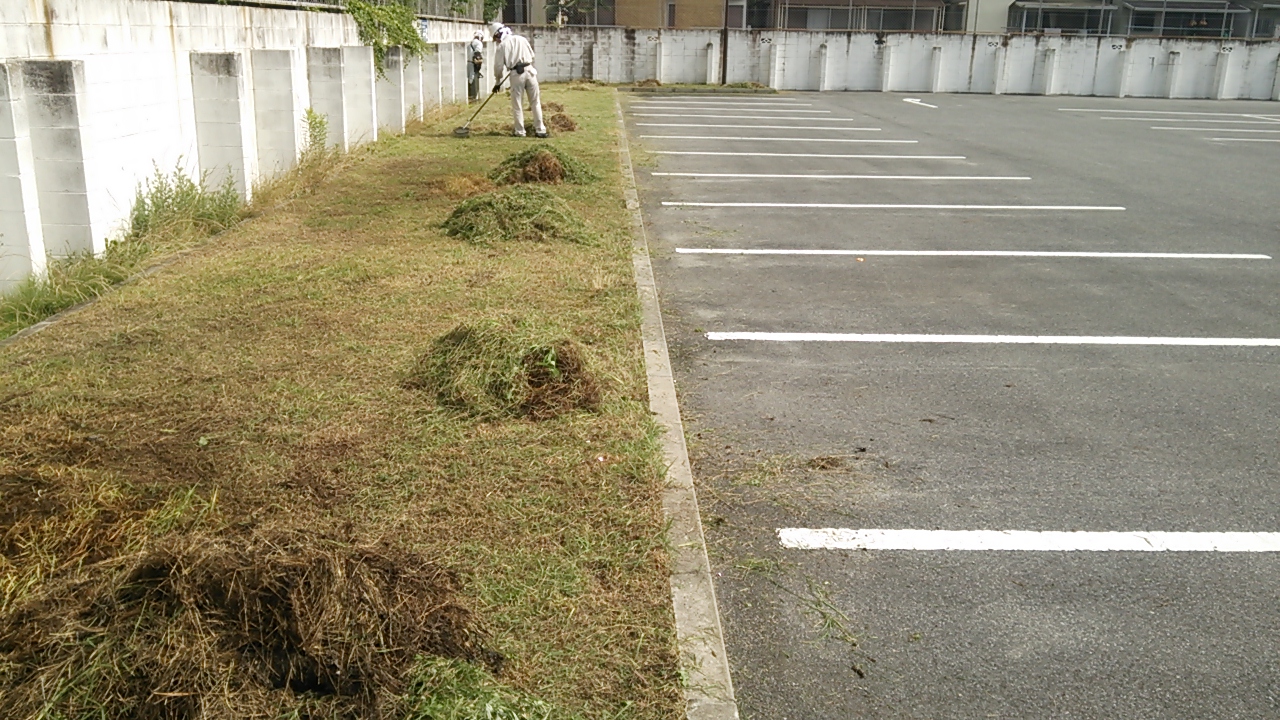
[1043,314]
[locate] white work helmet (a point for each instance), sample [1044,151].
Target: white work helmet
[495,26]
[479,35]
[503,32]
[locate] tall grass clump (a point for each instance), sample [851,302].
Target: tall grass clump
[171,211]
[316,164]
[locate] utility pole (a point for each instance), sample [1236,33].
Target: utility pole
[724,45]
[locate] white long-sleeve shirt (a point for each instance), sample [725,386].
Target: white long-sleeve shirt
[473,47]
[513,50]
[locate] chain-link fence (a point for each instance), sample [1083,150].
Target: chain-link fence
[425,8]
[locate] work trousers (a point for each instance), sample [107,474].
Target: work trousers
[526,82]
[473,81]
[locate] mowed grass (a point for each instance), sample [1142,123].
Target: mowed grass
[260,382]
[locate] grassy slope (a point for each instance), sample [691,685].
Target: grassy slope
[262,376]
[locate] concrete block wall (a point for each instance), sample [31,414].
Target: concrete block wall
[95,95]
[22,251]
[225,125]
[917,62]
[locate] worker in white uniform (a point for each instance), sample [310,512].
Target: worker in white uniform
[516,55]
[475,60]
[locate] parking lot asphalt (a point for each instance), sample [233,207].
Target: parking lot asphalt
[1022,314]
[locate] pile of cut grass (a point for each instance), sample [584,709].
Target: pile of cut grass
[561,122]
[542,163]
[500,369]
[216,627]
[522,213]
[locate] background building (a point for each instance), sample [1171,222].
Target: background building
[1159,18]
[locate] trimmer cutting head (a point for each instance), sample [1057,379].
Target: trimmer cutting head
[462,132]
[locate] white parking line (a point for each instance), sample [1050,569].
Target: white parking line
[1193,120]
[758,127]
[733,109]
[720,103]
[1245,140]
[808,155]
[977,253]
[779,139]
[918,101]
[740,117]
[775,176]
[996,339]
[1152,112]
[1025,540]
[1216,129]
[889,206]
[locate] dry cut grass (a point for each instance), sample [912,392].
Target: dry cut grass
[222,463]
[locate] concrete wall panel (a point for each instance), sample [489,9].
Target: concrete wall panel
[390,93]
[358,77]
[22,249]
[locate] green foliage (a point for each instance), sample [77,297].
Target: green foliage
[174,204]
[170,211]
[384,27]
[521,212]
[492,8]
[454,690]
[317,133]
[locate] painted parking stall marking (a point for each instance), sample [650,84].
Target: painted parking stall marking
[1027,541]
[776,139]
[993,339]
[761,127]
[753,108]
[977,253]
[892,206]
[1192,121]
[808,155]
[1221,130]
[740,117]
[778,176]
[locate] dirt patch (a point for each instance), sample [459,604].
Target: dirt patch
[553,107]
[542,163]
[521,213]
[825,462]
[649,83]
[561,122]
[460,186]
[212,628]
[501,368]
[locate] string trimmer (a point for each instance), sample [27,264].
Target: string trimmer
[465,130]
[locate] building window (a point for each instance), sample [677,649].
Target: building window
[736,16]
[671,15]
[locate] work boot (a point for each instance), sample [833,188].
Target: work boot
[541,135]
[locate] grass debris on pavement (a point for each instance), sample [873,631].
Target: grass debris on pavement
[240,420]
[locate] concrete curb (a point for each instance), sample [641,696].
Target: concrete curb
[708,689]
